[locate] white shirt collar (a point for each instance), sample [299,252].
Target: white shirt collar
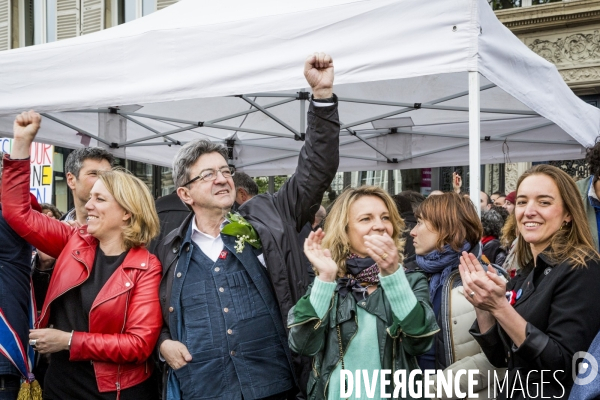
[206,235]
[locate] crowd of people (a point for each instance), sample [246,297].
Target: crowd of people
[218,292]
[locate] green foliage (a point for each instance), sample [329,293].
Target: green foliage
[263,183]
[241,229]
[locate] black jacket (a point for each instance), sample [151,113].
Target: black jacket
[171,213]
[494,252]
[411,221]
[560,306]
[279,217]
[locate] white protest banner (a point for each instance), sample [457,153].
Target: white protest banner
[42,157]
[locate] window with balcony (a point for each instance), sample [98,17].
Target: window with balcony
[505,4]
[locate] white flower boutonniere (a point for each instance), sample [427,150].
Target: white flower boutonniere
[243,231]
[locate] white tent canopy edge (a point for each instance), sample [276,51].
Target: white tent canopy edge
[197,50]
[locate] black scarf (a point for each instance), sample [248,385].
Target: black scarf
[360,273]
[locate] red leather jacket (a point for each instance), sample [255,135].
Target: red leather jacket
[125,319]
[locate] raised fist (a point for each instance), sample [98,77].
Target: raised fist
[318,71]
[27,125]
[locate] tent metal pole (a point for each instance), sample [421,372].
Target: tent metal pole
[252,110]
[90,110]
[263,94]
[353,133]
[129,142]
[474,140]
[272,116]
[256,131]
[158,118]
[60,121]
[298,151]
[463,144]
[537,141]
[135,121]
[405,110]
[155,144]
[416,106]
[491,139]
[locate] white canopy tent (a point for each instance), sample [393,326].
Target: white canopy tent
[407,74]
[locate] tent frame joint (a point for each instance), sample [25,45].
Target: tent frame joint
[300,138]
[392,161]
[114,145]
[303,96]
[230,143]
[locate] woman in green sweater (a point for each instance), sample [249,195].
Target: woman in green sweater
[363,312]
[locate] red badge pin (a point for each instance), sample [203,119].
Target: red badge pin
[223,255]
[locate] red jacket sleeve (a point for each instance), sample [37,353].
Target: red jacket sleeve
[46,234]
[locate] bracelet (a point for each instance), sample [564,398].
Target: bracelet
[70,338]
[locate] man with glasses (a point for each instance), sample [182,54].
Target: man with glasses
[225,298]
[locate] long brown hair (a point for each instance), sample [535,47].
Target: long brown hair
[454,218]
[572,242]
[509,231]
[336,225]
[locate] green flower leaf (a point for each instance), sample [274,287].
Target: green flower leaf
[242,230]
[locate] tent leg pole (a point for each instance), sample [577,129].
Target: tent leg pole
[474,140]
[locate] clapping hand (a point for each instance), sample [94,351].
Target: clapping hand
[485,290]
[320,258]
[383,250]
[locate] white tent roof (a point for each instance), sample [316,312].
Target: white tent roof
[402,59]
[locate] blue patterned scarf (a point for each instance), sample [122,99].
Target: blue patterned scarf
[439,265]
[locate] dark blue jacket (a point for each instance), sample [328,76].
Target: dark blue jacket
[15,269]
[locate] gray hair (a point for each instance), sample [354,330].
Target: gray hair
[189,154]
[242,180]
[492,222]
[76,158]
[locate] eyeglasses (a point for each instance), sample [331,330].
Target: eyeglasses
[211,174]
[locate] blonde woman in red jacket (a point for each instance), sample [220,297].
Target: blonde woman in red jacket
[101,317]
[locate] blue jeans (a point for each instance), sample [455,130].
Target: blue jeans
[9,387]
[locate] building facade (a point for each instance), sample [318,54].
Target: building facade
[30,22]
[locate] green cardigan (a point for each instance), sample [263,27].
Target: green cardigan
[584,186]
[399,340]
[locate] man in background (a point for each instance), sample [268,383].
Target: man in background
[245,189]
[82,168]
[498,198]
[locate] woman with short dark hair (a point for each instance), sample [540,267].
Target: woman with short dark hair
[448,224]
